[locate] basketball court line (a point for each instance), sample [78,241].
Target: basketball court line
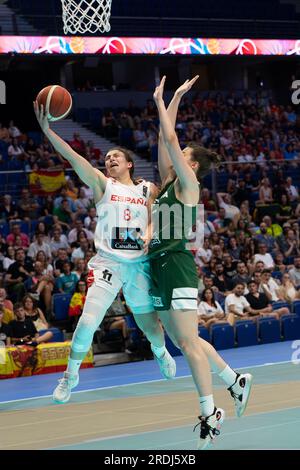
[137,383]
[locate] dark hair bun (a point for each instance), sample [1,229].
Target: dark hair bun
[215,158]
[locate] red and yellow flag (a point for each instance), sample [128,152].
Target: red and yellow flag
[44,182]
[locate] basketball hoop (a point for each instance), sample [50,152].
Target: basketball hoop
[82,16]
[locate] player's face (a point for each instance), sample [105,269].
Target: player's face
[188,154]
[116,163]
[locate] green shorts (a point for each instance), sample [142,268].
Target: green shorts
[174,281]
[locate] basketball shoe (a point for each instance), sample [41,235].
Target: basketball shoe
[166,364]
[62,392]
[240,392]
[209,428]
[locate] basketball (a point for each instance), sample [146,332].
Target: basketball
[56,100]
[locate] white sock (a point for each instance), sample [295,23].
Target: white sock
[228,375]
[73,366]
[207,405]
[159,352]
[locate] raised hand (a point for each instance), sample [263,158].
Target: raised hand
[159,90]
[186,86]
[41,116]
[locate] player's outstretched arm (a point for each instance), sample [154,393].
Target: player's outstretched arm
[165,165]
[86,172]
[186,175]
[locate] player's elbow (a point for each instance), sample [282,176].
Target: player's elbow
[171,138]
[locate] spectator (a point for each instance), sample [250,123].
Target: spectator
[80,252]
[42,228]
[77,302]
[36,315]
[4,329]
[285,210]
[220,223]
[58,241]
[93,154]
[258,301]
[109,125]
[265,192]
[63,214]
[280,264]
[16,231]
[22,329]
[80,268]
[242,276]
[64,195]
[241,194]
[77,144]
[231,212]
[78,227]
[263,256]
[15,151]
[208,202]
[7,315]
[233,248]
[39,245]
[295,272]
[220,281]
[269,286]
[8,209]
[204,254]
[9,259]
[28,206]
[62,257]
[230,266]
[71,190]
[5,301]
[289,245]
[82,203]
[13,130]
[210,311]
[291,190]
[263,237]
[17,274]
[66,282]
[272,229]
[40,286]
[47,267]
[287,290]
[237,306]
[92,216]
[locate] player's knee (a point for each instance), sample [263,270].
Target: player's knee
[187,345]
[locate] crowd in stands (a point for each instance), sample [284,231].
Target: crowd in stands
[250,258]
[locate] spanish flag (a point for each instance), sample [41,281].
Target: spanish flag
[76,304]
[45,182]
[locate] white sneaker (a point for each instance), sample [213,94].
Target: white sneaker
[62,392]
[240,392]
[209,428]
[166,364]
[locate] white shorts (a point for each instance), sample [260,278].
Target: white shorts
[132,278]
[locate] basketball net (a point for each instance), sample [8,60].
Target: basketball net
[82,16]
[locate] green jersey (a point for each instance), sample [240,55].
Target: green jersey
[172,223]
